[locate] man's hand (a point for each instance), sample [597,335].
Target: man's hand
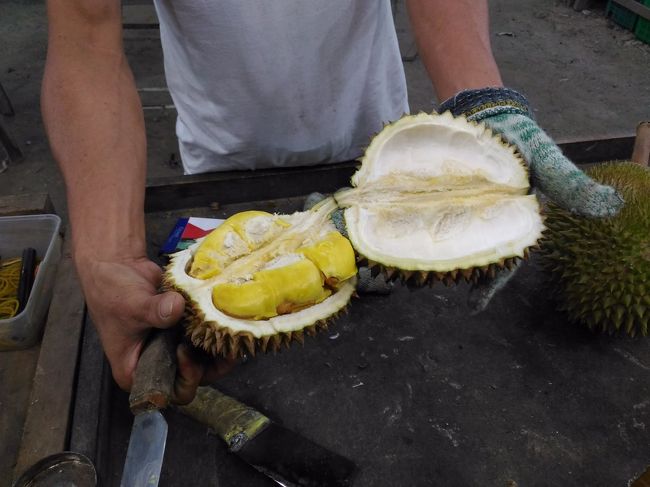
[124,303]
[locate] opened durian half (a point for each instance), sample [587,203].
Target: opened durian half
[439,198]
[436,197]
[260,280]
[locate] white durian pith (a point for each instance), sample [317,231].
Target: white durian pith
[438,193]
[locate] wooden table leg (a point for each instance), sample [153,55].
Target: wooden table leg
[641,152]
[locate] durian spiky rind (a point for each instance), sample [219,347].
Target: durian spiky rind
[211,330]
[429,278]
[602,266]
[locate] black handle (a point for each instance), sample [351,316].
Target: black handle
[153,384]
[26,280]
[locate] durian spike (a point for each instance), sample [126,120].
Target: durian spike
[264,343]
[249,343]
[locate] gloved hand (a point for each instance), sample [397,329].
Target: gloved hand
[507,113]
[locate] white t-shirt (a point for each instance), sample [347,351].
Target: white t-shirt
[270,83]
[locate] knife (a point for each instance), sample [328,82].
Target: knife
[288,458]
[152,390]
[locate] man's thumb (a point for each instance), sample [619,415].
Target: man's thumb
[164,310]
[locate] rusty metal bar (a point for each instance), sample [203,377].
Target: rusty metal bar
[169,193]
[241,186]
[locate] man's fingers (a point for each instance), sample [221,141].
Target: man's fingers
[188,376]
[123,369]
[151,271]
[163,310]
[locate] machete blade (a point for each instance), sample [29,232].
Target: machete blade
[293,460]
[144,456]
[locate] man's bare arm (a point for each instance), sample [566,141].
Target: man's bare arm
[454,43]
[95,125]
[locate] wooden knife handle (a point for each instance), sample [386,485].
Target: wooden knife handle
[153,384]
[233,421]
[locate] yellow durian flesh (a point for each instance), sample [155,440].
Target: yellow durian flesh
[333,255]
[272,291]
[249,299]
[234,238]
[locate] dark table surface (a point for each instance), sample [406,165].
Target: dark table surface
[416,391]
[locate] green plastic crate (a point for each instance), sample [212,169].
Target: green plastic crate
[621,15]
[642,29]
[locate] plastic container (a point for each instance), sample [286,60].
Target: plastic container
[42,233]
[642,29]
[621,15]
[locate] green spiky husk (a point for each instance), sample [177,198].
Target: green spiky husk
[217,340]
[602,266]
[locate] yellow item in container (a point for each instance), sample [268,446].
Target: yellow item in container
[9,278]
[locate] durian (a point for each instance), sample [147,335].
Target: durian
[601,267]
[260,281]
[439,198]
[435,198]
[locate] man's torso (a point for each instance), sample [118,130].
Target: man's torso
[260,83]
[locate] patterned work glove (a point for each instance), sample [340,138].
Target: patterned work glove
[507,113]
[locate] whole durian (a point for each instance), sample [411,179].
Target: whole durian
[435,198]
[602,266]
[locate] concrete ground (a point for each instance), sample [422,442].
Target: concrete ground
[584,76]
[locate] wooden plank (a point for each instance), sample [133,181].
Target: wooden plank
[16,372]
[50,402]
[641,153]
[25,204]
[636,7]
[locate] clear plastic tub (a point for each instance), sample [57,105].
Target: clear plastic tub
[42,233]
